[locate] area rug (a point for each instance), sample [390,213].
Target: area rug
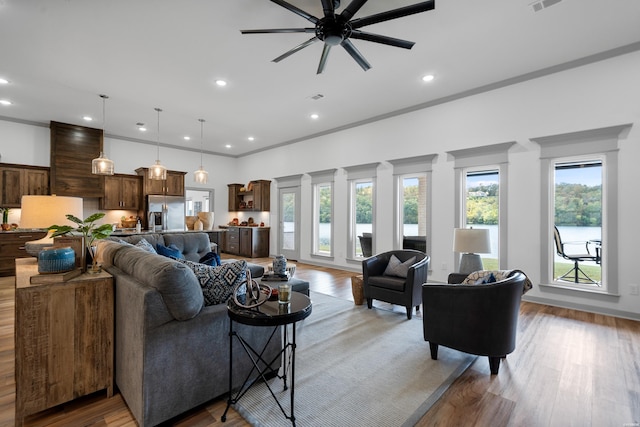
[357,367]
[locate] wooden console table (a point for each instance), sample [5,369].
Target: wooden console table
[64,339]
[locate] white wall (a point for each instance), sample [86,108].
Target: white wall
[597,95]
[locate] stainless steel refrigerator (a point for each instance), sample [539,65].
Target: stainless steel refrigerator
[165,213]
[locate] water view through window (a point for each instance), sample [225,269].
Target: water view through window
[577,211]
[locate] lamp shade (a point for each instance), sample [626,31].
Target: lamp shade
[45,211]
[471,240]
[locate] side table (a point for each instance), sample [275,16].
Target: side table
[63,338]
[275,315]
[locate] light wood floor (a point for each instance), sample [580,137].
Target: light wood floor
[569,368]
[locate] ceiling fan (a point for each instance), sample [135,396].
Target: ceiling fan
[337,29]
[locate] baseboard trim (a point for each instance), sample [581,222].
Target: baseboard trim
[584,307]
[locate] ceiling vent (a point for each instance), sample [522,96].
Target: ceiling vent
[543,4]
[317,96]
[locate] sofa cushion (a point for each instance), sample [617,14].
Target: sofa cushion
[218,282]
[176,282]
[192,245]
[143,244]
[172,251]
[397,267]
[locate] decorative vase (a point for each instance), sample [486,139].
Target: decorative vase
[207,220]
[6,227]
[198,225]
[280,265]
[56,260]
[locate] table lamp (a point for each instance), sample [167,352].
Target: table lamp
[45,211]
[470,242]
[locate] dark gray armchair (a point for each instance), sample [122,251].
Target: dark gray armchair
[478,319]
[393,289]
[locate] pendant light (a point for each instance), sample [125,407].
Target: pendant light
[201,176]
[102,165]
[157,171]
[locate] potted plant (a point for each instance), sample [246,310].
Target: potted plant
[5,219]
[90,232]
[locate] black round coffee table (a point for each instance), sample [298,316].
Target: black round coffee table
[275,315]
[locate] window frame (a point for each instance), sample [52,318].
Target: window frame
[600,141]
[355,175]
[405,168]
[604,212]
[494,156]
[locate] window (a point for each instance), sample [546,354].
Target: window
[322,230]
[323,210]
[577,215]
[361,210]
[563,159]
[482,209]
[481,182]
[412,217]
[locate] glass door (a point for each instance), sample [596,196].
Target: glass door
[289,222]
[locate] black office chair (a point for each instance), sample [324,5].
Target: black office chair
[576,273]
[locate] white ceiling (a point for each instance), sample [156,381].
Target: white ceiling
[60,54]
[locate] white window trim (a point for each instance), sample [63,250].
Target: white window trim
[488,157]
[601,141]
[325,177]
[411,166]
[357,174]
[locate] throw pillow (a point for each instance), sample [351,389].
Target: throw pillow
[218,283]
[486,279]
[143,244]
[397,267]
[172,251]
[211,258]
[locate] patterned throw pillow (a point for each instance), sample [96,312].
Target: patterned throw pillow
[397,267]
[143,244]
[217,283]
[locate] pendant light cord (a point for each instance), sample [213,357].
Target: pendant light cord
[201,139]
[158,135]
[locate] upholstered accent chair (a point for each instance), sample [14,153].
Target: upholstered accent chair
[400,285]
[478,318]
[366,243]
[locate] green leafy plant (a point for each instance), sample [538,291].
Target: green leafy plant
[5,215]
[86,228]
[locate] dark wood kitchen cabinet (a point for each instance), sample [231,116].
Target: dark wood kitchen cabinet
[122,192]
[250,242]
[254,197]
[19,180]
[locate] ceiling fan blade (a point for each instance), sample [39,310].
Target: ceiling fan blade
[328,7]
[279,30]
[295,49]
[296,10]
[355,54]
[360,35]
[393,14]
[323,58]
[352,9]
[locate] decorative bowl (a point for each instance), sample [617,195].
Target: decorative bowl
[129,223]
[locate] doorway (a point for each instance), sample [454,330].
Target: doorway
[289,222]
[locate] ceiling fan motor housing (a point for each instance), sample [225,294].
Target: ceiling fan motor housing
[333,30]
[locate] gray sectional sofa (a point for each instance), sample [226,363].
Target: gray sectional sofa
[171,351]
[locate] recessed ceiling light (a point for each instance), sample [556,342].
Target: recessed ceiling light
[228,146]
[187,138]
[87,118]
[251,138]
[141,128]
[314,116]
[3,81]
[428,77]
[220,82]
[5,102]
